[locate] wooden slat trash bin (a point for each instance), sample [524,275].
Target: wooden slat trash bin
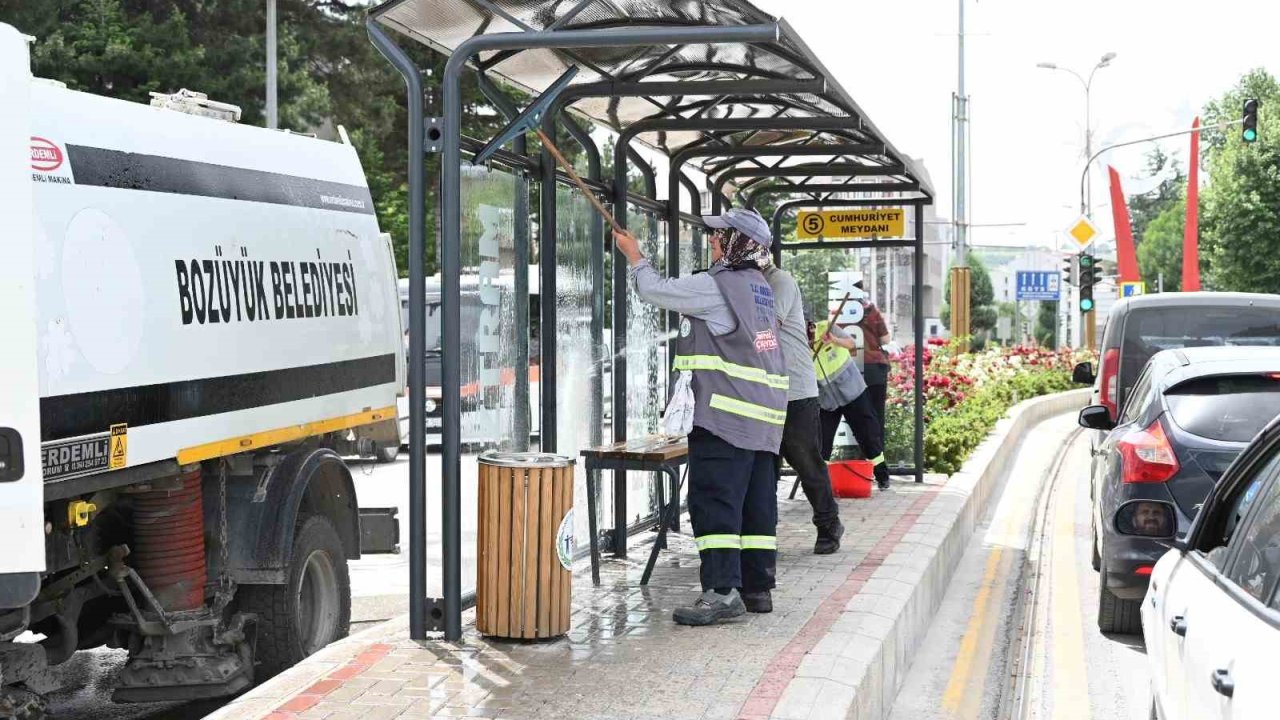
[525,539]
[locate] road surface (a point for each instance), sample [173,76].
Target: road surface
[1016,636]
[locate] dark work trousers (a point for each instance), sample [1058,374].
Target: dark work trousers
[862,421]
[877,377]
[733,507]
[802,448]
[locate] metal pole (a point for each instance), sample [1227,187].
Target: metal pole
[417,331]
[918,312]
[547,261]
[273,115]
[962,109]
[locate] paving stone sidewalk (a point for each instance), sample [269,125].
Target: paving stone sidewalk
[624,658]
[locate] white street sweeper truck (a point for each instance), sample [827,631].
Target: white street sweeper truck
[198,319]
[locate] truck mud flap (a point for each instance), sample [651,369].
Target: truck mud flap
[379,531]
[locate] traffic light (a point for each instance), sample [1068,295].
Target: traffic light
[1088,277]
[1250,129]
[1069,270]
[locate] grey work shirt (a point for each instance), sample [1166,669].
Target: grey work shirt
[834,393]
[693,295]
[794,336]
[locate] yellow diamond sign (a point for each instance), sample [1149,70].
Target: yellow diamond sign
[1083,231]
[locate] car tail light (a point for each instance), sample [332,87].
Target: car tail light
[1110,394]
[1146,456]
[1143,570]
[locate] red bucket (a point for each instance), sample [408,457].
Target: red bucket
[851,478]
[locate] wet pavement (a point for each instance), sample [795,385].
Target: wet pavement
[624,657]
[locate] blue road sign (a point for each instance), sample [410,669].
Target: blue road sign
[1039,285]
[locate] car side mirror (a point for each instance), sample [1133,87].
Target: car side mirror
[1153,519]
[1083,374]
[1096,417]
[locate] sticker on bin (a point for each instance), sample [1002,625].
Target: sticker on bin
[564,541]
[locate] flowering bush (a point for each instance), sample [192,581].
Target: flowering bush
[965,393]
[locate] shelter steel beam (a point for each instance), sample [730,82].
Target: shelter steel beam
[450,245]
[684,155]
[834,187]
[845,170]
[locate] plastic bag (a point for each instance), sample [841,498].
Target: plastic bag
[678,417]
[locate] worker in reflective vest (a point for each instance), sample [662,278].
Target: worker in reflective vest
[842,392]
[729,343]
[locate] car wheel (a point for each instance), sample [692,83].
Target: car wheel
[308,612]
[1116,615]
[1096,561]
[387,454]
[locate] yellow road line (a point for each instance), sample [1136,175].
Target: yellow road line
[958,687]
[1070,694]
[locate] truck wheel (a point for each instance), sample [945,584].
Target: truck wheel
[312,610]
[387,454]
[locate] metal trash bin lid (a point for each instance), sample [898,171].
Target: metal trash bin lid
[526,459]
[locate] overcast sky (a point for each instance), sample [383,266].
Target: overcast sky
[897,58]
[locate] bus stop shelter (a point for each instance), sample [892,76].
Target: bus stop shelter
[716,87]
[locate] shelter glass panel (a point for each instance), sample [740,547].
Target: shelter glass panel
[583,371]
[490,333]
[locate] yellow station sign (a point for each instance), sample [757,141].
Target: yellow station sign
[853,223]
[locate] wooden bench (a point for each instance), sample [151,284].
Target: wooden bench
[654,453]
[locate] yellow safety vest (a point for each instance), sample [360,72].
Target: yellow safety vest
[831,358]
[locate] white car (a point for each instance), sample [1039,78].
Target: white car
[1211,616]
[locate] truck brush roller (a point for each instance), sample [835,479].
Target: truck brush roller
[168,543]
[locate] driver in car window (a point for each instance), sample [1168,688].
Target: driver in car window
[1149,520]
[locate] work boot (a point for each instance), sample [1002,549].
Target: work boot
[710,608]
[882,476]
[760,601]
[829,538]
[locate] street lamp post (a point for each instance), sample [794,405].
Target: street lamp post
[1088,111]
[1086,205]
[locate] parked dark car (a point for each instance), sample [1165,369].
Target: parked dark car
[1139,327]
[1189,414]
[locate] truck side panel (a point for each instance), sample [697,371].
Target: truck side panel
[21,497]
[205,288]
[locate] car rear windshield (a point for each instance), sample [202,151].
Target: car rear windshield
[1225,407]
[1147,331]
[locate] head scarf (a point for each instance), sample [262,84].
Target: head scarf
[740,251]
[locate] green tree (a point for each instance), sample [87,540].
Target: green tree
[1240,221]
[1046,323]
[982,310]
[1172,188]
[1160,252]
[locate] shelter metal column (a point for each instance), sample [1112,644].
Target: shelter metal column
[417,326]
[917,296]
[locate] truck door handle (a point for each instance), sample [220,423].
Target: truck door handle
[1223,683]
[1178,625]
